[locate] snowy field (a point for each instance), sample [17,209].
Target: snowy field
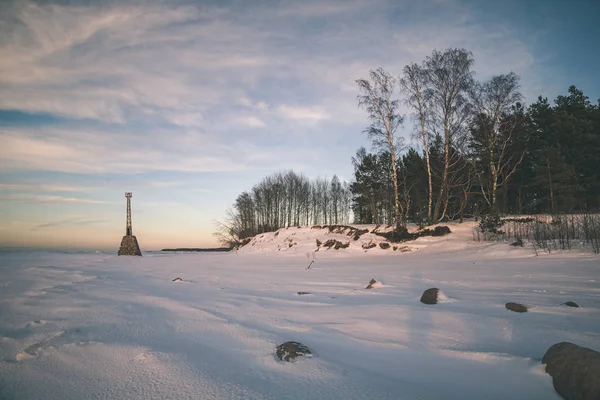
[97,326]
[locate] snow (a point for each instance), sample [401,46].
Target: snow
[91,326]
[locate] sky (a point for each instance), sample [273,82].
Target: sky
[188,103]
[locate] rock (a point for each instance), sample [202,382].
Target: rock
[368,246]
[516,307]
[517,243]
[575,371]
[441,231]
[289,351]
[384,245]
[177,280]
[373,283]
[571,304]
[336,244]
[302,293]
[430,296]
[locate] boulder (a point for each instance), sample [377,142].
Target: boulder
[571,304]
[575,371]
[303,293]
[384,245]
[430,296]
[441,231]
[177,280]
[289,351]
[516,307]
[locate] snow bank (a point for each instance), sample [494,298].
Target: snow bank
[298,240]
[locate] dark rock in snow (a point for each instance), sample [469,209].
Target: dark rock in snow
[430,296]
[301,293]
[289,351]
[369,245]
[571,304]
[516,307]
[371,283]
[177,280]
[384,245]
[517,243]
[441,231]
[575,371]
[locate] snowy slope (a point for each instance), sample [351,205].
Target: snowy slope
[105,327]
[299,240]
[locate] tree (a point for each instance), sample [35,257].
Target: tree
[377,98]
[367,188]
[414,85]
[494,130]
[449,78]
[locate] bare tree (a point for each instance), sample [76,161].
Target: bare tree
[493,100]
[450,77]
[377,98]
[414,84]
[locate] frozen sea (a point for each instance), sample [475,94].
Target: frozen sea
[98,326]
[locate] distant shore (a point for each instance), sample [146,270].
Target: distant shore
[207,250]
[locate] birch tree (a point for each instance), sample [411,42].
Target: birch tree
[449,77]
[414,85]
[377,98]
[493,101]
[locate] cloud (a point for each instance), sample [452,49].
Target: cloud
[174,87]
[42,187]
[252,122]
[34,198]
[75,221]
[112,61]
[302,113]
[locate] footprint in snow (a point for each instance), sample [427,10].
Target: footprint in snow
[53,341]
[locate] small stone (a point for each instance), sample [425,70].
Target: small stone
[303,293]
[371,283]
[177,280]
[289,351]
[384,245]
[516,307]
[430,296]
[571,304]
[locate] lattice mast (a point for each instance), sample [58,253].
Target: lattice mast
[128,229]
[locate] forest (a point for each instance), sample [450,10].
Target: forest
[477,150]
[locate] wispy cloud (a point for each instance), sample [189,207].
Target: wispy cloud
[34,198]
[109,61]
[42,188]
[179,87]
[75,221]
[302,113]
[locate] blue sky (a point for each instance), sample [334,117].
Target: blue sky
[187,104]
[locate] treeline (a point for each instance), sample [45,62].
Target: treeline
[480,150]
[286,199]
[477,150]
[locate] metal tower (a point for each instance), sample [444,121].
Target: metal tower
[128,230]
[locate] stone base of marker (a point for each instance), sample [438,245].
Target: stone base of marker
[129,247]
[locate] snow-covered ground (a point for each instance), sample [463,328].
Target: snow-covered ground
[97,326]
